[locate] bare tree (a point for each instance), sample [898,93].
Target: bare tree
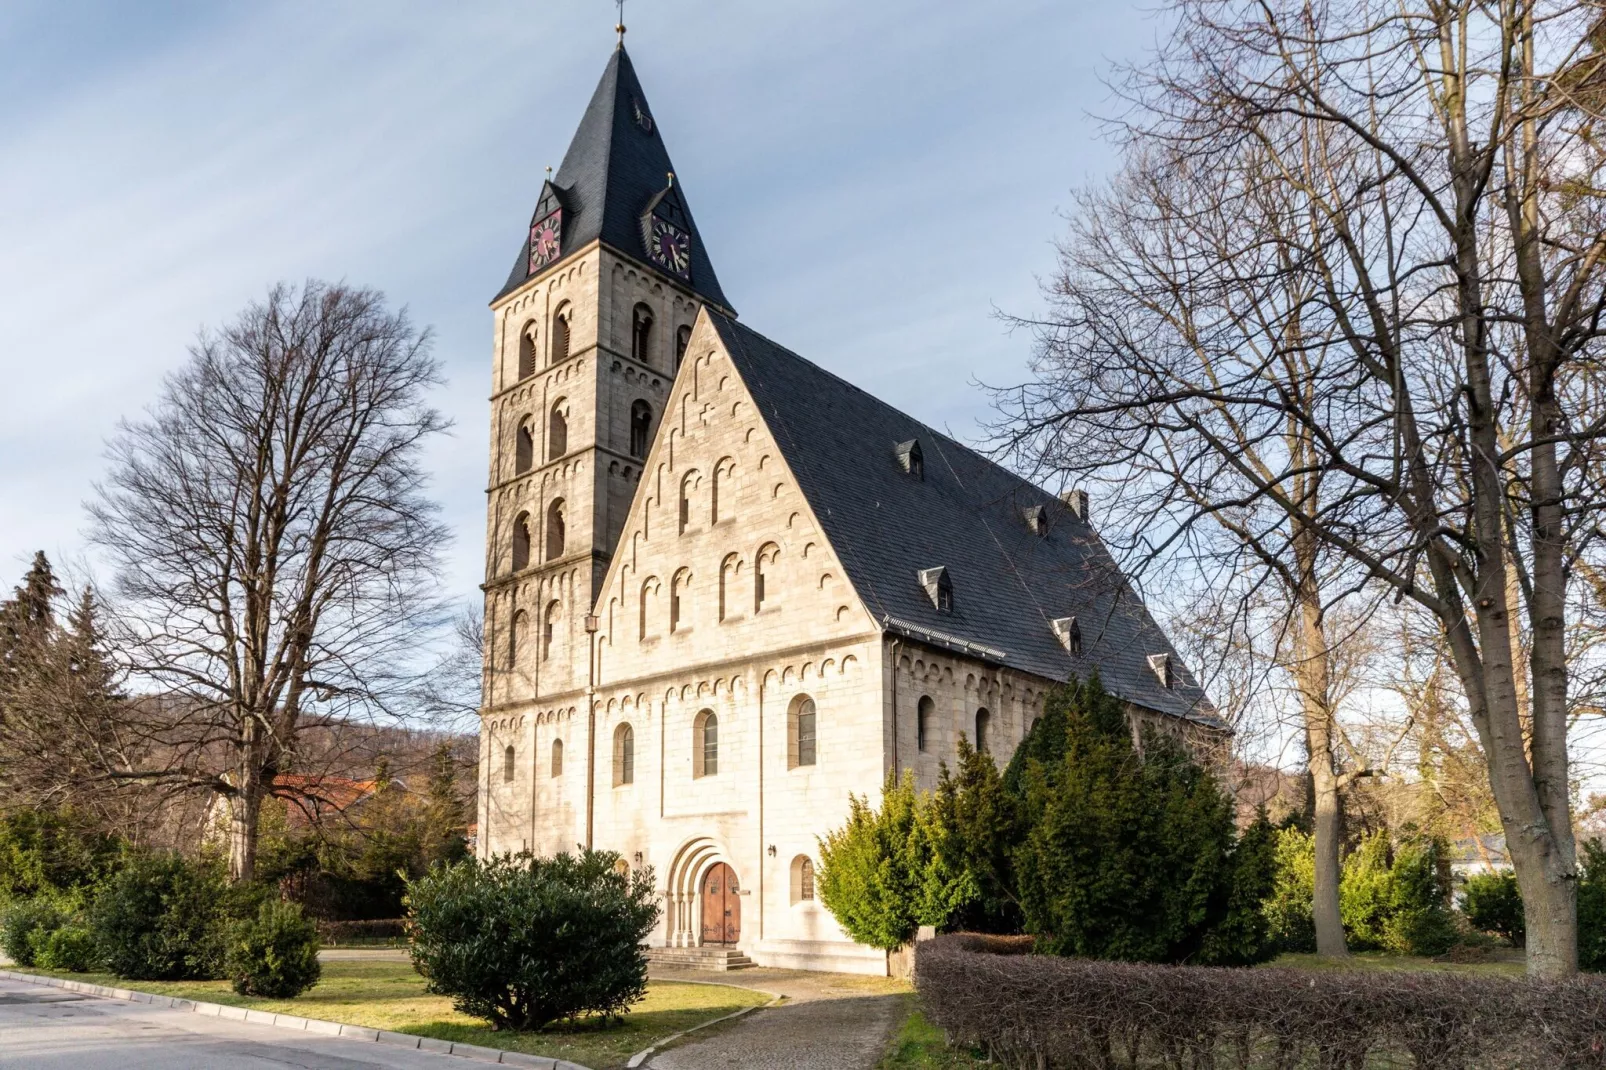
[1402,203]
[275,550]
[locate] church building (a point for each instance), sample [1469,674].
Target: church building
[725,588]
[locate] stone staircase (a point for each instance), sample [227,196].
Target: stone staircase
[714,957]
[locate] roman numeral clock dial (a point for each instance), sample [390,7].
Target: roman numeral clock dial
[670,247]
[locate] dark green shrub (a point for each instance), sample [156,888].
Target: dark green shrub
[275,954]
[1592,906]
[1127,855]
[1492,903]
[521,941]
[52,851]
[1243,935]
[23,918]
[71,947]
[161,918]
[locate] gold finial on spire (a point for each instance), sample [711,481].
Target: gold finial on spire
[549,172]
[671,180]
[621,26]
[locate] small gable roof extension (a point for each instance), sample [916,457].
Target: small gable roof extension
[968,515]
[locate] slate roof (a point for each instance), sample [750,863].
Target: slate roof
[966,515]
[611,173]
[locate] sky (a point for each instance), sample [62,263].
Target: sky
[874,182]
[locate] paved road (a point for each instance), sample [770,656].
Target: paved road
[48,1028]
[829,1022]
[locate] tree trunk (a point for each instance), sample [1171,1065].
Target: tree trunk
[1313,674]
[244,810]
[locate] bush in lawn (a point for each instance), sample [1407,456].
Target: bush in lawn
[1128,854]
[1420,920]
[521,941]
[161,918]
[23,919]
[881,874]
[71,948]
[1492,903]
[274,954]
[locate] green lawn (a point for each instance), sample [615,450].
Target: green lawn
[389,995]
[919,1045]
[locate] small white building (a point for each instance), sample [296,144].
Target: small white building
[725,588]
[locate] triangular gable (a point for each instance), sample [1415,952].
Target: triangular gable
[651,522]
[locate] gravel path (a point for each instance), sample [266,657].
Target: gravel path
[828,1022]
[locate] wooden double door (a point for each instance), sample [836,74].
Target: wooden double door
[722,906]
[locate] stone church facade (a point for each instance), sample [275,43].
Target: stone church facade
[725,588]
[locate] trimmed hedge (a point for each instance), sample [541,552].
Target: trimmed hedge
[373,931]
[1032,1012]
[275,954]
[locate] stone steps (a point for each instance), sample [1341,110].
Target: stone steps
[719,959]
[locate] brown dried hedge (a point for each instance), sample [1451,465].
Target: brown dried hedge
[1035,1011]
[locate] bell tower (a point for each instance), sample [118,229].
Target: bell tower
[589,331]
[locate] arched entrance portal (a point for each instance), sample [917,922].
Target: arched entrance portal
[722,906]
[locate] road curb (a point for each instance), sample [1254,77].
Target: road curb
[299,1024]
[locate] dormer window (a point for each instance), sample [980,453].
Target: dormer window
[1069,634]
[939,588]
[1036,518]
[911,459]
[1160,665]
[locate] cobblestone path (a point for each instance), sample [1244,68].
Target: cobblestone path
[828,1022]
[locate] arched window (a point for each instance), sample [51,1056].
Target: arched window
[641,333]
[524,447]
[649,598]
[624,756]
[688,488]
[555,534]
[705,744]
[527,350]
[521,541]
[761,569]
[557,432]
[720,490]
[516,637]
[682,340]
[560,334]
[728,570]
[800,732]
[557,757]
[802,879]
[678,597]
[984,721]
[923,713]
[640,428]
[509,765]
[549,627]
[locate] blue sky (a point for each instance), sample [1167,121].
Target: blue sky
[873,182]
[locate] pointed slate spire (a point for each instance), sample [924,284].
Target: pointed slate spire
[615,176]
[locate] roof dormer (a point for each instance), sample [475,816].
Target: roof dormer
[1036,518]
[939,588]
[911,458]
[1068,633]
[1160,665]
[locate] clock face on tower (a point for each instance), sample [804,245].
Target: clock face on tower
[669,247]
[546,240]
